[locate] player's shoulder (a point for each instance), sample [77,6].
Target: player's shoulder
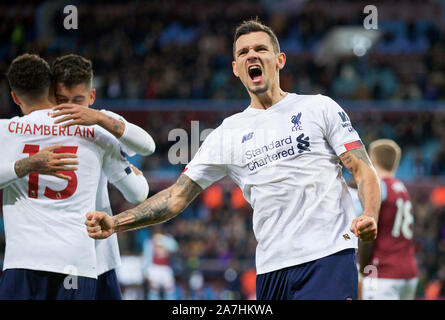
[316,102]
[309,97]
[324,101]
[394,185]
[6,123]
[234,119]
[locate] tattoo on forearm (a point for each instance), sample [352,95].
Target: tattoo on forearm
[151,211]
[361,154]
[364,177]
[36,163]
[160,207]
[347,161]
[117,127]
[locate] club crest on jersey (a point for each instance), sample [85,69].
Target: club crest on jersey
[346,236]
[296,122]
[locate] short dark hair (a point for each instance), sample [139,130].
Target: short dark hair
[29,75]
[72,69]
[386,152]
[255,25]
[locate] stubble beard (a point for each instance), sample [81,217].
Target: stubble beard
[258,90]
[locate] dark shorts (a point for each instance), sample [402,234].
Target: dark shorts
[334,277]
[108,287]
[24,284]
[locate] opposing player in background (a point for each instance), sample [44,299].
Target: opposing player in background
[392,253]
[157,252]
[48,254]
[74,92]
[284,152]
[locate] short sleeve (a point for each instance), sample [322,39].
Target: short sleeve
[207,166]
[339,131]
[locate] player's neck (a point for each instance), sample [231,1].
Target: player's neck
[384,173]
[267,99]
[37,105]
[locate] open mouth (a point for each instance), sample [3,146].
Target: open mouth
[255,73]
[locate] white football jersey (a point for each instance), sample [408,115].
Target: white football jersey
[107,250]
[43,215]
[285,160]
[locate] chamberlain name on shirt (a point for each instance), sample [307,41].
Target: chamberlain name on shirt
[49,130]
[261,157]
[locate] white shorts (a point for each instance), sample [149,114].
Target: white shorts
[161,277]
[388,289]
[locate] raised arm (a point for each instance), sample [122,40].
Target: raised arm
[132,136]
[159,208]
[369,194]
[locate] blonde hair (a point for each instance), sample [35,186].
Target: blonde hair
[386,153]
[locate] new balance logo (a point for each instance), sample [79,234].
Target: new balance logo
[344,117]
[247,137]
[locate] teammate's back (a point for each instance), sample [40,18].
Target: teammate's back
[44,204]
[44,215]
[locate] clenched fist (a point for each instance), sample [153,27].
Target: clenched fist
[364,227]
[99,225]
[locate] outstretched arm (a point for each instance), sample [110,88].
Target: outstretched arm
[359,165]
[159,208]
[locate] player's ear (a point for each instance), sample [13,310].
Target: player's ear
[235,71]
[16,99]
[281,60]
[92,96]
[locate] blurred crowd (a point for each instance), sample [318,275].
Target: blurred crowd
[183,50]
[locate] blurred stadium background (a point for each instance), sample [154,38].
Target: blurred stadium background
[162,64]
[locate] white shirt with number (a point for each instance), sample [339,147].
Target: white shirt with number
[43,215]
[285,160]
